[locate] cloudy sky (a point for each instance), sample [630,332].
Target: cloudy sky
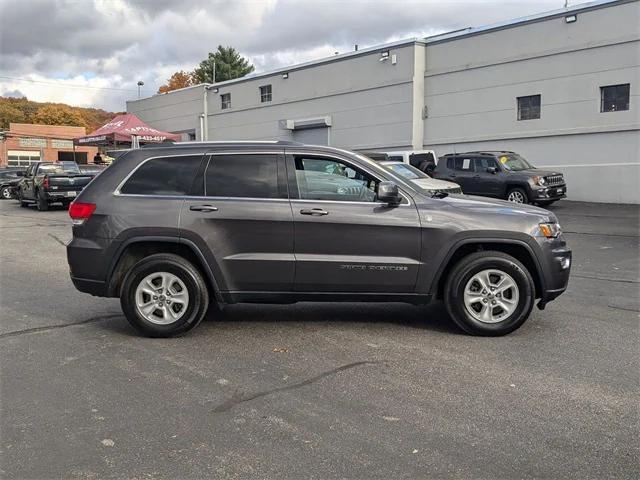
[92,52]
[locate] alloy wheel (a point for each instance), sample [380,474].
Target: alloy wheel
[491,296]
[516,197]
[162,298]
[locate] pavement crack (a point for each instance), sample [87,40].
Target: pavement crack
[615,280]
[57,239]
[626,309]
[240,397]
[600,234]
[48,328]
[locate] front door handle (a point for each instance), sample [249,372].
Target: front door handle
[314,211]
[203,208]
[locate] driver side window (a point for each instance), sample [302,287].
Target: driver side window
[321,178]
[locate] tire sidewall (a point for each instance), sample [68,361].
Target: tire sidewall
[41,202]
[197,298]
[458,282]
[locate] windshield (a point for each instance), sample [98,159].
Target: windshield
[514,162]
[59,168]
[406,171]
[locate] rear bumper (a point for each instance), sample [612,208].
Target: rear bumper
[96,288]
[57,196]
[89,262]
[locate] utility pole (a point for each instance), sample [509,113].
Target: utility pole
[140,83]
[213,77]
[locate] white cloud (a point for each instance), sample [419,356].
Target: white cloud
[114,43]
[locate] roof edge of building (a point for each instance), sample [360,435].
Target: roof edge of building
[517,22]
[431,40]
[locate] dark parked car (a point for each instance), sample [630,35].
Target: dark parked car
[9,179]
[502,175]
[45,183]
[171,228]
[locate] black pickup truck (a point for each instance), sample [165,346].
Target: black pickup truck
[45,183]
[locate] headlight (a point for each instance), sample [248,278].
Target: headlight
[550,230]
[538,180]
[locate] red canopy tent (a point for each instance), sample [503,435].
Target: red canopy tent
[122,129]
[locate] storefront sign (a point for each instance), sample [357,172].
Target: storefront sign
[33,142]
[55,143]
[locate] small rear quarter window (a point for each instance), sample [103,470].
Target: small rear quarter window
[163,176]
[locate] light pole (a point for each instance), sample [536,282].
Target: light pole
[140,83]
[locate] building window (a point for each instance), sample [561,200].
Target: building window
[614,98]
[22,158]
[265,93]
[225,101]
[529,107]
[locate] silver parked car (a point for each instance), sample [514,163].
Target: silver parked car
[421,179]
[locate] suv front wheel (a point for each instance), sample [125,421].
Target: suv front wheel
[489,294]
[164,295]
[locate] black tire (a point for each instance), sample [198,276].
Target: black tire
[518,193]
[187,273]
[42,203]
[5,193]
[545,203]
[462,273]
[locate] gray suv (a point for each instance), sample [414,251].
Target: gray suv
[174,229]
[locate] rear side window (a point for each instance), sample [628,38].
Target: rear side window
[418,160]
[163,176]
[460,164]
[250,176]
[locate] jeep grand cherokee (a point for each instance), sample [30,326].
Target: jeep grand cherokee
[174,228]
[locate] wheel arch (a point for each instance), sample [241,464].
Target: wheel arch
[523,185]
[135,249]
[518,249]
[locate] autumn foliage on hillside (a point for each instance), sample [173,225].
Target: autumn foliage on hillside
[22,110]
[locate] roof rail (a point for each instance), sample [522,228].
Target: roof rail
[219,142]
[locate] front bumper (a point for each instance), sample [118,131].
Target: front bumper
[553,193]
[556,267]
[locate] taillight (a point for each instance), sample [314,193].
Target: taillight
[80,212]
[45,182]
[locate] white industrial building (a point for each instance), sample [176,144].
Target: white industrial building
[561,88]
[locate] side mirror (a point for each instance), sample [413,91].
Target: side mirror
[19,173]
[388,193]
[492,169]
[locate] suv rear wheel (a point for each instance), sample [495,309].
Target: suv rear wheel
[164,295]
[489,294]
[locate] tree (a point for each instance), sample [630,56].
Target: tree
[229,64]
[59,115]
[10,114]
[178,80]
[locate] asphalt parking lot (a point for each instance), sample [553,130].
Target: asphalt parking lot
[316,390]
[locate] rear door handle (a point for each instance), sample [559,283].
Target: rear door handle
[203,208]
[314,211]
